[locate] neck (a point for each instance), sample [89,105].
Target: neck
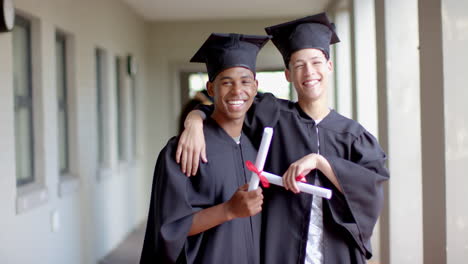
[232,127]
[316,109]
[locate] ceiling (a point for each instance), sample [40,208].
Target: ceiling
[177,10]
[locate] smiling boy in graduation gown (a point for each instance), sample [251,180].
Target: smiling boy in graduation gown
[311,139]
[211,218]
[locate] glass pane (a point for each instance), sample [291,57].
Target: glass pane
[24,145]
[63,142]
[120,128]
[60,67]
[99,107]
[21,63]
[61,78]
[134,118]
[274,82]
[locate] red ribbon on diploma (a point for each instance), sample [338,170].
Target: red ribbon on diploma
[301,178]
[252,168]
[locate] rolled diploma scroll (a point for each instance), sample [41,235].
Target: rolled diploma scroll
[261,157]
[304,187]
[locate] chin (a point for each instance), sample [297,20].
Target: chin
[236,116]
[311,94]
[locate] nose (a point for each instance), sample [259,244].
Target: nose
[236,88]
[309,69]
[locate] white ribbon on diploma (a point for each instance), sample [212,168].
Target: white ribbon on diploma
[275,179]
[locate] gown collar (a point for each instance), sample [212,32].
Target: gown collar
[220,133]
[309,119]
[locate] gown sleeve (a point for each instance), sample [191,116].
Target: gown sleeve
[206,109]
[264,112]
[173,203]
[361,179]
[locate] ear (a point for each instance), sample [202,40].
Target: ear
[330,65]
[256,86]
[287,73]
[210,88]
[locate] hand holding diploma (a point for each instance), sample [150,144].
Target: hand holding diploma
[305,165]
[300,167]
[244,203]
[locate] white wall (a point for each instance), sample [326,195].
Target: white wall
[96,216]
[455,40]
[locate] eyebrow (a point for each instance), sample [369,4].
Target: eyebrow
[302,60]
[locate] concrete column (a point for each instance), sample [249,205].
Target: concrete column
[432,128]
[455,55]
[399,129]
[382,103]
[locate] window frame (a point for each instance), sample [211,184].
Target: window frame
[63,103]
[120,110]
[99,60]
[34,193]
[105,105]
[68,180]
[27,24]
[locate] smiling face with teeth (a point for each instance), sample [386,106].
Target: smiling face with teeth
[233,91]
[309,71]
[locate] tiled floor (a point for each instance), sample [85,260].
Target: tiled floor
[128,252]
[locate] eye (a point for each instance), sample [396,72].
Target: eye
[246,82]
[226,83]
[298,66]
[317,62]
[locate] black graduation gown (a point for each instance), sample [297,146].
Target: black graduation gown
[175,198]
[358,162]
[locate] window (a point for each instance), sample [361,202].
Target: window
[66,120]
[62,95]
[23,102]
[100,106]
[120,128]
[103,114]
[133,123]
[31,191]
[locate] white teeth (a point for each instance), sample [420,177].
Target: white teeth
[235,102]
[312,82]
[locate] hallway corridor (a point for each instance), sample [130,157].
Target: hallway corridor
[91,91]
[129,250]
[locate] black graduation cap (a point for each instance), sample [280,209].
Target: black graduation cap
[221,51]
[315,32]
